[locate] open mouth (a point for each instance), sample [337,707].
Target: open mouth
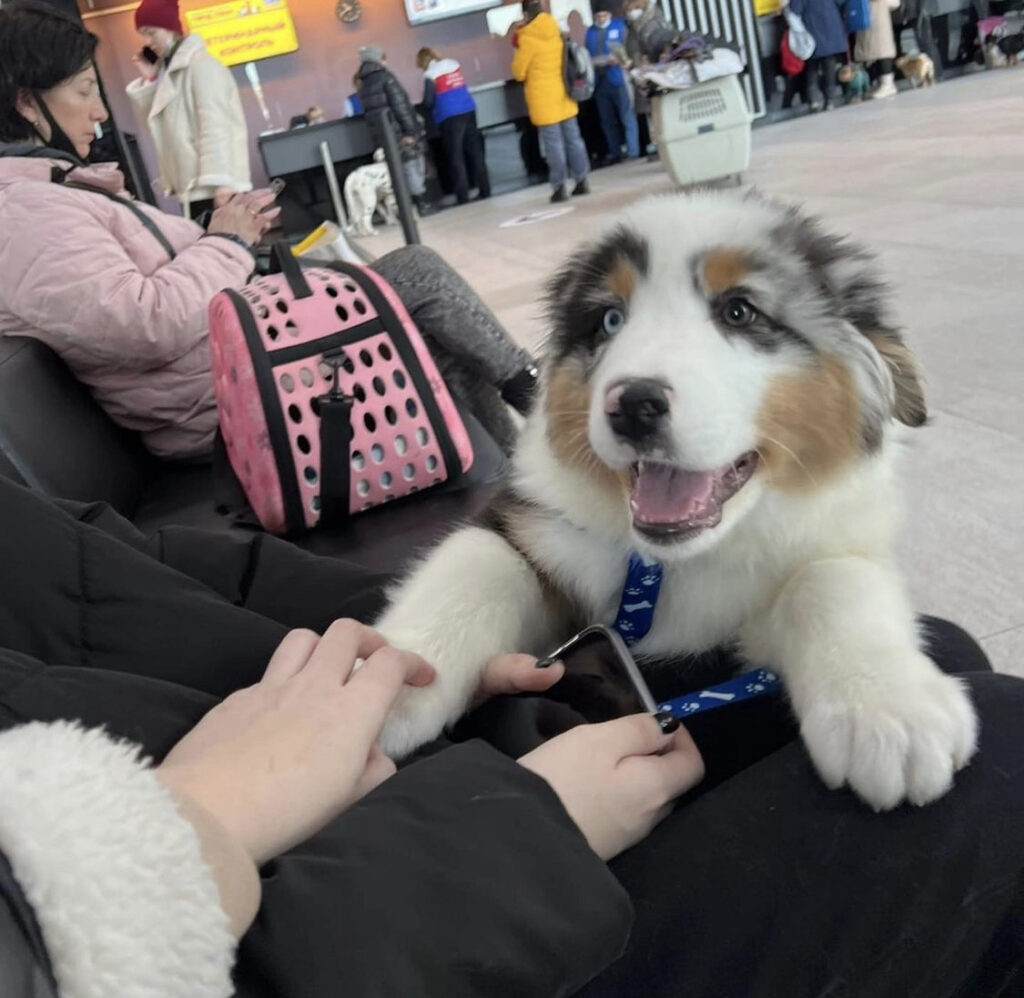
[671,504]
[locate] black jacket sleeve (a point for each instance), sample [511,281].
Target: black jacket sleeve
[24,963]
[461,876]
[257,571]
[401,107]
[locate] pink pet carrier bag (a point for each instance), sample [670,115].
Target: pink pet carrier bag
[329,400]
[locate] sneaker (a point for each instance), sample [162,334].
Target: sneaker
[581,188]
[559,195]
[886,87]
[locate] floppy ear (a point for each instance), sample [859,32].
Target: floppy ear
[908,393]
[862,294]
[851,276]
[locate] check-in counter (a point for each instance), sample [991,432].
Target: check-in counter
[349,138]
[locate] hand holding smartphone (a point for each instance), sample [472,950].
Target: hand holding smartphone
[601,680]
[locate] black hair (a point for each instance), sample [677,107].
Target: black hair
[40,48]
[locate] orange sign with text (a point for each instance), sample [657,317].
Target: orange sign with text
[244,30]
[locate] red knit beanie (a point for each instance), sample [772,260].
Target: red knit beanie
[159,14]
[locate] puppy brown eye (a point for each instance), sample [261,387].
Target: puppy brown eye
[738,312]
[613,321]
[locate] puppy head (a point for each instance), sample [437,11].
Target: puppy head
[709,348]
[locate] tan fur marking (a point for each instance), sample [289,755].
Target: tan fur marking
[724,269]
[908,405]
[621,279]
[809,426]
[568,405]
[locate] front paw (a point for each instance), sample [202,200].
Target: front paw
[893,737]
[418,716]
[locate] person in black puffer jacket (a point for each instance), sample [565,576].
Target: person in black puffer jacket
[378,89]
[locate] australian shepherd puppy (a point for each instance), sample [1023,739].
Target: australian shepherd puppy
[722,391]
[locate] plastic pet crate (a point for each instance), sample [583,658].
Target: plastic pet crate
[703,131]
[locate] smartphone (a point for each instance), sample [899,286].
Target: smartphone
[601,680]
[150,55]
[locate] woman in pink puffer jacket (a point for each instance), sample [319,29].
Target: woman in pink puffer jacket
[117,288]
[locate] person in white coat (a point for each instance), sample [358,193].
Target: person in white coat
[190,105]
[877,45]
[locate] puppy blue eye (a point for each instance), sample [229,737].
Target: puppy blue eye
[613,321]
[738,312]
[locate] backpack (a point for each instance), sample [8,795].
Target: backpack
[858,16]
[329,400]
[577,71]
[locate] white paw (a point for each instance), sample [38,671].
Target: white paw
[418,716]
[893,737]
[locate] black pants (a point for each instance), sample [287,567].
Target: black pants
[770,885]
[464,153]
[821,71]
[761,884]
[879,68]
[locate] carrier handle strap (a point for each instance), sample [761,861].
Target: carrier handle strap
[283,261]
[335,448]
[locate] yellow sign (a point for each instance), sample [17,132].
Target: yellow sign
[763,7]
[244,30]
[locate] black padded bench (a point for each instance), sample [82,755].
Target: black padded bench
[56,439]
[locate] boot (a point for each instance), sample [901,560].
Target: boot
[423,206]
[886,87]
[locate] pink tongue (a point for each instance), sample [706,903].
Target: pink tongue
[663,494]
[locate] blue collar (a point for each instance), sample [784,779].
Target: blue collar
[639,598]
[635,618]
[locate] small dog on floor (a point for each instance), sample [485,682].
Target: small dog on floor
[918,69]
[855,80]
[1003,50]
[368,189]
[724,391]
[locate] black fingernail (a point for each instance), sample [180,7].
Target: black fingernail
[667,722]
[545,663]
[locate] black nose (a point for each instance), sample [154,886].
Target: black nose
[637,409]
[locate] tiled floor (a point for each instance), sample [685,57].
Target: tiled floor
[934,181]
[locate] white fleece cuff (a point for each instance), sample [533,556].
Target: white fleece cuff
[114,873]
[217,180]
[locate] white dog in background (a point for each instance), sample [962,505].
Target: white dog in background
[723,391]
[367,189]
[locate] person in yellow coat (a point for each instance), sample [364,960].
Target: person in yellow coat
[538,64]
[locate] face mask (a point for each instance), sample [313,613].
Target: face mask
[58,140]
[635,14]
